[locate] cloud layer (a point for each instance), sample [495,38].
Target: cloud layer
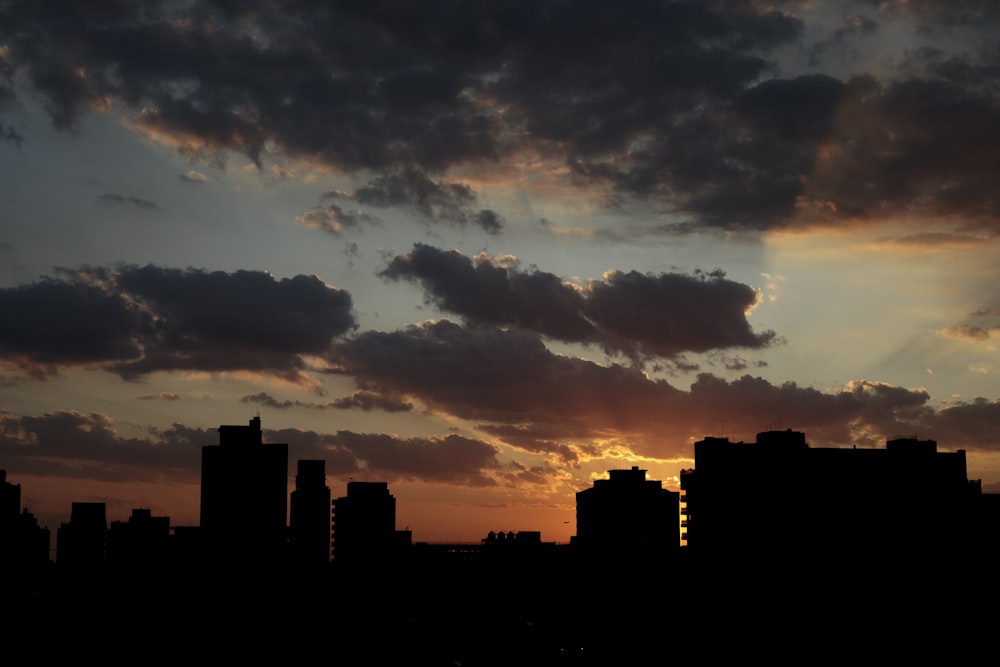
[137,320]
[635,314]
[89,446]
[516,389]
[677,102]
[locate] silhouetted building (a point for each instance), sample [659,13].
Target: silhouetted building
[140,543]
[23,542]
[364,525]
[80,544]
[627,514]
[311,515]
[244,496]
[10,498]
[778,497]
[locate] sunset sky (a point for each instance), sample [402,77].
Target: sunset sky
[485,252]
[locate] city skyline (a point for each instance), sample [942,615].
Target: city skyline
[486,252]
[904,497]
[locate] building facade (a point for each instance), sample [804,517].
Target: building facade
[311,515]
[627,514]
[81,543]
[244,496]
[364,525]
[23,543]
[779,498]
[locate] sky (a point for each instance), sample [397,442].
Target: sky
[486,252]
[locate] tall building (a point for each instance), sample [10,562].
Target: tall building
[311,515]
[23,543]
[244,496]
[627,514]
[778,497]
[364,524]
[80,544]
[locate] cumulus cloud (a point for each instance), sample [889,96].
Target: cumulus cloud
[89,446]
[637,314]
[538,401]
[451,459]
[137,320]
[56,322]
[413,190]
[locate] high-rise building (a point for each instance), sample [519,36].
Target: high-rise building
[311,515]
[244,496]
[778,497]
[627,514]
[23,543]
[364,524]
[80,544]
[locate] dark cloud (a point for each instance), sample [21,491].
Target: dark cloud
[494,290]
[383,86]
[668,314]
[972,425]
[637,314]
[245,320]
[88,446]
[675,102]
[540,402]
[137,320]
[738,363]
[412,189]
[160,396]
[490,374]
[128,201]
[359,400]
[548,439]
[451,459]
[913,145]
[369,400]
[815,150]
[489,220]
[53,322]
